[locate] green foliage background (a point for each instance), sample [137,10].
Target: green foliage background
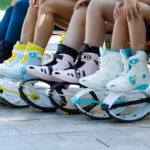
[4,4]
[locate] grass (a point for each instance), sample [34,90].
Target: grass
[4,4]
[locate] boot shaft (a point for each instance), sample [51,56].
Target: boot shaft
[138,66]
[110,61]
[87,52]
[32,55]
[135,77]
[17,54]
[66,50]
[87,55]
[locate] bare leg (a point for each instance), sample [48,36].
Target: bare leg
[120,33]
[138,73]
[61,24]
[28,28]
[76,31]
[137,30]
[48,11]
[98,12]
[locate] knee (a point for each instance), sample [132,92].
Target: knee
[9,10]
[80,14]
[145,10]
[98,5]
[142,15]
[49,6]
[81,10]
[121,16]
[32,10]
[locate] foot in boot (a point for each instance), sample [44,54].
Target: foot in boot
[111,66]
[17,55]
[86,64]
[135,76]
[32,55]
[64,58]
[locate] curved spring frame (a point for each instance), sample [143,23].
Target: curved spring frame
[8,91]
[23,95]
[76,100]
[56,89]
[141,112]
[61,86]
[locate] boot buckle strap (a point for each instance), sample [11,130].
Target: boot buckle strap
[133,61]
[85,57]
[34,55]
[58,56]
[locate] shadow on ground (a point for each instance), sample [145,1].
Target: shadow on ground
[4,4]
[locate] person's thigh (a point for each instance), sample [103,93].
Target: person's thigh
[145,11]
[106,8]
[24,0]
[62,9]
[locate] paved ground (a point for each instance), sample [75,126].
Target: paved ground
[29,129]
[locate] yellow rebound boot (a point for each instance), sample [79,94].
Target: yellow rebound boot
[32,56]
[17,55]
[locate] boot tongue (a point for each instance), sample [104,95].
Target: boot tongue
[29,45]
[33,47]
[19,46]
[16,46]
[125,54]
[103,52]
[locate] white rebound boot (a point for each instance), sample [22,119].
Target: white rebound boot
[111,67]
[135,76]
